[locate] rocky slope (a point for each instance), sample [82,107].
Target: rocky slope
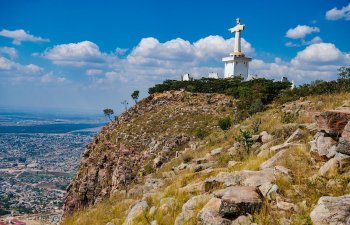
[140,140]
[296,169]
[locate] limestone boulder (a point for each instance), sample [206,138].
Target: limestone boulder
[270,163]
[167,204]
[277,148]
[339,164]
[296,136]
[209,214]
[192,188]
[216,151]
[321,145]
[242,220]
[202,166]
[346,132]
[240,200]
[332,211]
[188,208]
[265,137]
[136,210]
[329,169]
[244,178]
[333,122]
[343,146]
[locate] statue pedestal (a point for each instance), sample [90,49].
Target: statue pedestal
[236,65]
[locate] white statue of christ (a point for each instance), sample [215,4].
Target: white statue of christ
[237,30]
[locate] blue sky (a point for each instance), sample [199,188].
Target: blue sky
[84,56]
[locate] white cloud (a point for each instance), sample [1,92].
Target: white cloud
[50,78]
[17,72]
[301,31]
[315,62]
[337,14]
[314,40]
[319,53]
[5,64]
[20,35]
[11,52]
[76,54]
[152,61]
[93,72]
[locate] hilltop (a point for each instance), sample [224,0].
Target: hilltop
[166,161]
[142,139]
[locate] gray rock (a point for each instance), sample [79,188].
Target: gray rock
[152,210]
[244,177]
[188,208]
[202,166]
[242,220]
[200,160]
[296,136]
[166,204]
[192,188]
[232,163]
[321,145]
[240,200]
[277,148]
[270,163]
[265,137]
[256,137]
[346,132]
[285,206]
[329,169]
[331,152]
[268,190]
[209,214]
[339,164]
[152,184]
[216,151]
[343,146]
[136,210]
[332,211]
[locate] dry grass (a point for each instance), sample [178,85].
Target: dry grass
[302,191]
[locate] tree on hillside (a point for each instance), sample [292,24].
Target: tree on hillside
[135,95]
[108,112]
[225,123]
[344,72]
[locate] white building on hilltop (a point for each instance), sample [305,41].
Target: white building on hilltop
[213,75]
[236,64]
[186,77]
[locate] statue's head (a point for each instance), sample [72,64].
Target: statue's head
[238,21]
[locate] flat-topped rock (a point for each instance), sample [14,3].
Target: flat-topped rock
[333,122]
[209,214]
[244,177]
[240,200]
[332,211]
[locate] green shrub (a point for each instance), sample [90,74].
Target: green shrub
[200,133]
[149,168]
[225,123]
[289,117]
[245,138]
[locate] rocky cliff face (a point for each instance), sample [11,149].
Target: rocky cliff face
[296,171]
[140,140]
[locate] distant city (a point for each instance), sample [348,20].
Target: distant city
[39,155]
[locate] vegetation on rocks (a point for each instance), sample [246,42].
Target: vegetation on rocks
[289,161]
